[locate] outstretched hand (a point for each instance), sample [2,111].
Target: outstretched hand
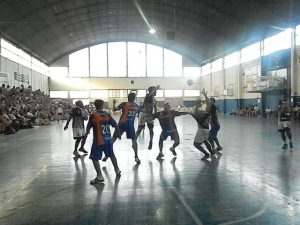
[203,91]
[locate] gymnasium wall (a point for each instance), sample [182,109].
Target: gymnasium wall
[35,79]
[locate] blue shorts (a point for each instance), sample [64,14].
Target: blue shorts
[97,150]
[129,129]
[165,134]
[214,130]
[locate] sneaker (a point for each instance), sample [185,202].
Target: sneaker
[160,155]
[219,148]
[118,172]
[150,145]
[285,146]
[137,160]
[104,158]
[172,149]
[97,180]
[83,150]
[291,145]
[76,154]
[205,157]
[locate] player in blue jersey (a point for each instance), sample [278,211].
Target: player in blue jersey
[101,121]
[126,123]
[168,126]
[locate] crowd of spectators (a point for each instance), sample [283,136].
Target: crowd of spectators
[23,108]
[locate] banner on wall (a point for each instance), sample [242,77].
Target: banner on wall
[21,77]
[3,77]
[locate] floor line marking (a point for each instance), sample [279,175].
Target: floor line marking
[259,213]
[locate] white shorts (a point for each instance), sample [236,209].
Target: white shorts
[284,124]
[145,118]
[78,132]
[201,135]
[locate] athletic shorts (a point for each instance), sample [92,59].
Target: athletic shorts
[165,134]
[201,135]
[97,151]
[78,132]
[130,131]
[283,124]
[145,118]
[214,130]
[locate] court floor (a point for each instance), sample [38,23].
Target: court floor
[253,182]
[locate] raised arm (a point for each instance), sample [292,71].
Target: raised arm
[205,96]
[154,90]
[114,105]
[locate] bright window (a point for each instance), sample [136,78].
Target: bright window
[251,52]
[231,60]
[79,63]
[298,35]
[191,71]
[117,93]
[141,93]
[58,94]
[154,61]
[8,46]
[58,71]
[117,59]
[277,42]
[173,93]
[159,94]
[191,93]
[136,59]
[24,58]
[100,94]
[172,64]
[79,94]
[98,60]
[9,55]
[206,69]
[39,66]
[216,65]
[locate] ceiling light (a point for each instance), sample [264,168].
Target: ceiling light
[152,31]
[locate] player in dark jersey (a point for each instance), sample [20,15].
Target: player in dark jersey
[101,121]
[284,122]
[214,122]
[149,106]
[126,122]
[78,115]
[202,135]
[168,126]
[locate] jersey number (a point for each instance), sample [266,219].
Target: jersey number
[105,129]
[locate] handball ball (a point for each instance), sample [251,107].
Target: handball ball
[190,82]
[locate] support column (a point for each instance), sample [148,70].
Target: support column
[293,79]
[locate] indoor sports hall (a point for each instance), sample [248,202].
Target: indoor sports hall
[173,112]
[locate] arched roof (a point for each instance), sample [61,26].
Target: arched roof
[199,29]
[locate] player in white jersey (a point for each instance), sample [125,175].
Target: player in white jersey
[146,114]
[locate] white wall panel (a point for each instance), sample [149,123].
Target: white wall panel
[36,80]
[231,80]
